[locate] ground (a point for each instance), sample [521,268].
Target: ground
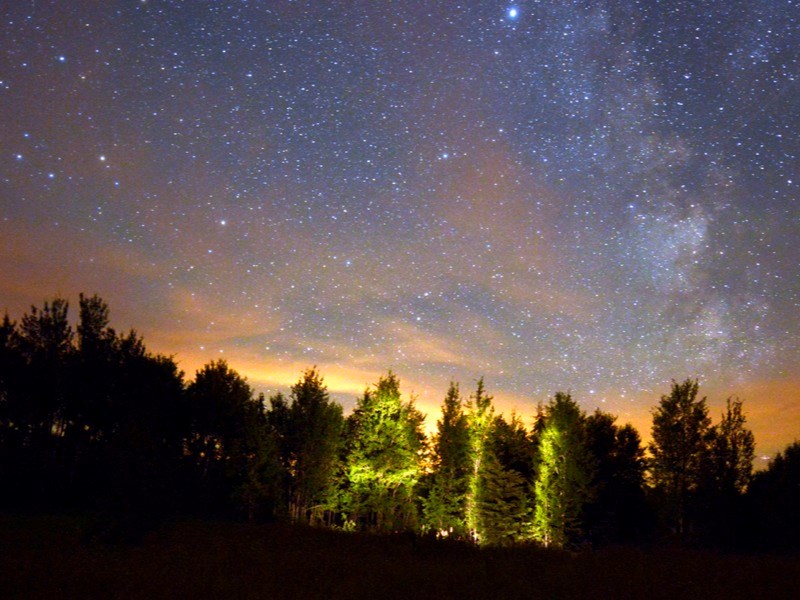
[56,557]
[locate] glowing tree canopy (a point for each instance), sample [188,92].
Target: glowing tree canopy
[480,414]
[384,460]
[562,486]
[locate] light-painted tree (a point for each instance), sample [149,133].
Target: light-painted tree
[562,486]
[384,459]
[480,413]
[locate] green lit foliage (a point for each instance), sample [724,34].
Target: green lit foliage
[565,469]
[502,504]
[480,414]
[680,449]
[445,506]
[384,458]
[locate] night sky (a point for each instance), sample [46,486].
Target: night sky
[589,196]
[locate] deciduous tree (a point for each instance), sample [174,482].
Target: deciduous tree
[679,451]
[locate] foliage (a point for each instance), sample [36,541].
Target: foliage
[502,503]
[618,511]
[445,506]
[227,445]
[681,434]
[562,486]
[384,458]
[90,420]
[732,450]
[480,414]
[774,496]
[311,429]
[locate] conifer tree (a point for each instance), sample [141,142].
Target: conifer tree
[480,414]
[502,503]
[384,458]
[562,486]
[445,507]
[314,432]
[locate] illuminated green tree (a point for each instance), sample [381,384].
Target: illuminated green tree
[480,414]
[565,468]
[680,450]
[445,506]
[384,458]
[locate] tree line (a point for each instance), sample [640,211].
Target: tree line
[90,420]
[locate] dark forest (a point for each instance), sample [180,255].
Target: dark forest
[90,421]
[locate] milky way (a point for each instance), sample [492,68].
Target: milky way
[592,196]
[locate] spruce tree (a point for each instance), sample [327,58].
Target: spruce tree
[480,414]
[562,486]
[314,432]
[384,458]
[502,503]
[445,506]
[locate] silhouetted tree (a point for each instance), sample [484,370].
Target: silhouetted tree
[313,433]
[46,344]
[565,470]
[727,472]
[445,506]
[732,450]
[774,495]
[679,451]
[261,491]
[140,451]
[226,429]
[14,429]
[618,512]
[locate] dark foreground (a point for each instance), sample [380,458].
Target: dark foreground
[54,557]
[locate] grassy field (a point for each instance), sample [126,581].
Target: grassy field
[49,557]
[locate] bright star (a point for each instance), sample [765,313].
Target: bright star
[513,12]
